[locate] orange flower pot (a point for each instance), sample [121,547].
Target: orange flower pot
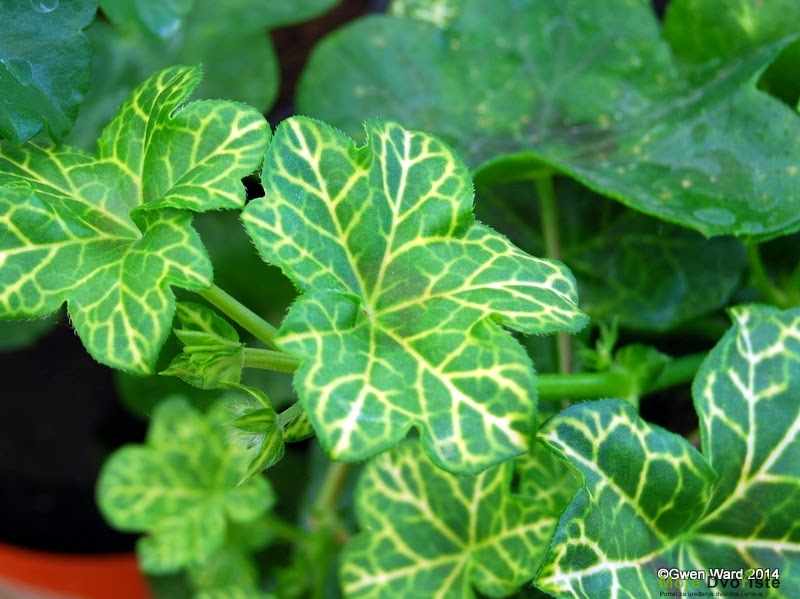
[27,574]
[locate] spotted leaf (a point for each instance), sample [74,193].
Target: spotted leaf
[586,88]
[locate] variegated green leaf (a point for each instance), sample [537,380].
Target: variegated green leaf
[403,295]
[182,487]
[652,503]
[212,355]
[232,572]
[102,233]
[428,533]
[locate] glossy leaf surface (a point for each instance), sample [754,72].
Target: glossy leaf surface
[701,30]
[181,487]
[44,66]
[230,39]
[105,234]
[403,293]
[582,87]
[429,533]
[652,501]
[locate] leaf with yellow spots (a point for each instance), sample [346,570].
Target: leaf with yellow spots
[399,325]
[585,88]
[109,234]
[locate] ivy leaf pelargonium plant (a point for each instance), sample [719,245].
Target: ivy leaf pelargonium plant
[404,294]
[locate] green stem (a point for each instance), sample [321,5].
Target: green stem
[598,385]
[548,204]
[286,530]
[678,371]
[328,495]
[268,359]
[762,280]
[290,414]
[582,385]
[240,314]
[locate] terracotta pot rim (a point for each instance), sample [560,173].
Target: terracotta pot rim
[85,576]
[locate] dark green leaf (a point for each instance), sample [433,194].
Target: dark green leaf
[229,38]
[44,66]
[156,17]
[702,30]
[651,275]
[588,88]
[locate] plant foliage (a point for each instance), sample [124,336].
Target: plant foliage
[485,429]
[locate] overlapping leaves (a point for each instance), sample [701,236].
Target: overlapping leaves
[403,293]
[109,233]
[429,533]
[587,88]
[229,38]
[652,501]
[212,356]
[182,487]
[44,66]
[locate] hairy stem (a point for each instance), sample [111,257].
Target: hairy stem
[548,208]
[268,359]
[290,414]
[240,314]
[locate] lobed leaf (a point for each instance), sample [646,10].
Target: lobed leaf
[181,487]
[105,234]
[44,66]
[403,293]
[651,501]
[581,87]
[429,533]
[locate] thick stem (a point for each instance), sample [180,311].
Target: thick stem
[548,208]
[599,385]
[268,359]
[678,371]
[240,314]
